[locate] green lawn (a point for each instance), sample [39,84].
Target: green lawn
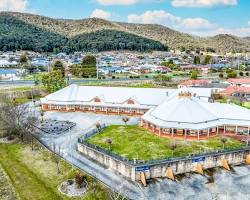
[135,142]
[34,176]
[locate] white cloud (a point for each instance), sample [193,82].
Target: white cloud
[13,5]
[249,23]
[164,18]
[154,17]
[124,2]
[98,13]
[197,23]
[117,2]
[203,3]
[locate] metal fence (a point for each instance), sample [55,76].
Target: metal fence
[93,131]
[137,163]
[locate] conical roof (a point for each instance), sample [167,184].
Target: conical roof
[183,107]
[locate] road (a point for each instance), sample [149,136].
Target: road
[74,81]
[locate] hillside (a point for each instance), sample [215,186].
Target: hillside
[75,29]
[17,34]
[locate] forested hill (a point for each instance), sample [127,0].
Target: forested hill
[48,34]
[16,34]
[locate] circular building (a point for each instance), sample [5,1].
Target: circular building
[185,116]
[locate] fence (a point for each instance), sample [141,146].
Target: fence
[93,131]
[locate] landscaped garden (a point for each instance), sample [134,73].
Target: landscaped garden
[34,175]
[134,142]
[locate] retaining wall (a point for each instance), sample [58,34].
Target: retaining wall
[157,169]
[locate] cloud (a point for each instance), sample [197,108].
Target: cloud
[203,3]
[154,17]
[117,2]
[197,23]
[124,2]
[249,23]
[13,5]
[98,13]
[164,18]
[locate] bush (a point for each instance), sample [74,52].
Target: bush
[113,77]
[221,75]
[79,179]
[231,74]
[194,74]
[241,74]
[247,74]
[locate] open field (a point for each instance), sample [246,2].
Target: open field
[135,142]
[34,176]
[6,189]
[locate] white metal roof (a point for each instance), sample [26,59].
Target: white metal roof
[109,95]
[193,113]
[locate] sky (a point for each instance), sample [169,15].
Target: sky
[198,17]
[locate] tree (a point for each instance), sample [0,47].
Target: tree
[241,74]
[58,65]
[173,146]
[223,141]
[247,73]
[109,142]
[221,75]
[53,81]
[17,119]
[125,120]
[79,179]
[86,69]
[23,59]
[194,74]
[231,74]
[197,60]
[56,158]
[162,79]
[98,126]
[208,59]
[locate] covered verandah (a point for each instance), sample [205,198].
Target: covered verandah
[195,134]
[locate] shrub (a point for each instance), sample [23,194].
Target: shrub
[241,74]
[221,75]
[79,179]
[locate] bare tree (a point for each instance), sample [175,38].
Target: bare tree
[125,120]
[18,119]
[223,141]
[98,126]
[56,158]
[109,142]
[172,146]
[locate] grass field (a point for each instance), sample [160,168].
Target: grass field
[34,176]
[6,189]
[137,143]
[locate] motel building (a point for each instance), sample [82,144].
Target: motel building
[184,113]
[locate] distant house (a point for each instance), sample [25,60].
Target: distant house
[204,69]
[237,91]
[161,69]
[239,82]
[8,74]
[194,83]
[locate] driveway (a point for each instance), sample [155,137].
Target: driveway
[220,185]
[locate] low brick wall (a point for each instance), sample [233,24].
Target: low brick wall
[158,168]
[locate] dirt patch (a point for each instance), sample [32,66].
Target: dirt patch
[71,189]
